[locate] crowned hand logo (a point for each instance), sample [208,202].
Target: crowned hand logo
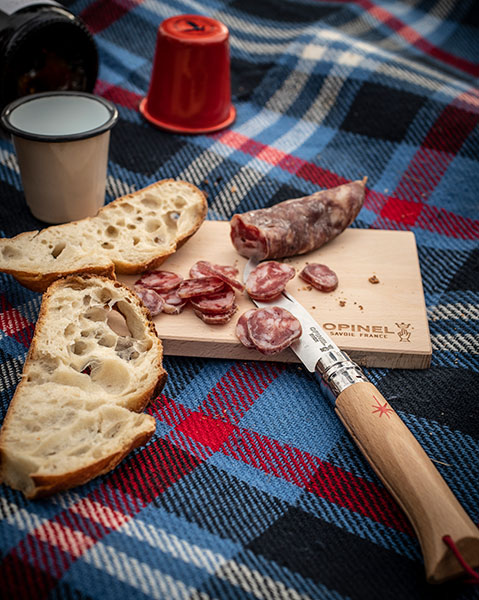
[404,333]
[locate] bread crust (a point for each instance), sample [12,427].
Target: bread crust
[47,484]
[127,269]
[39,281]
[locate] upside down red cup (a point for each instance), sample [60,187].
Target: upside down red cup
[190,87]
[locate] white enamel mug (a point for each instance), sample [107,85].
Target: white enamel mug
[61,140]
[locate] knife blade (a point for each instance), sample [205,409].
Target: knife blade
[390,448]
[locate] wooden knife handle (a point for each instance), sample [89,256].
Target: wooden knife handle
[412,479]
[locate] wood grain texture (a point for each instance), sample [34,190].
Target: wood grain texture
[412,479]
[380,324]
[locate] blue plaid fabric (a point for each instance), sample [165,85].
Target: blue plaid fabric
[251,488]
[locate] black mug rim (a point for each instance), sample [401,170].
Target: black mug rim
[81,135]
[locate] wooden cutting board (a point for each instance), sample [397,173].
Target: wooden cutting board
[380,324]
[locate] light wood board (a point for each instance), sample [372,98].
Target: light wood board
[378,325]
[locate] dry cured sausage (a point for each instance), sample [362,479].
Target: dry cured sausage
[199,286]
[241,329]
[299,225]
[173,303]
[151,299]
[160,281]
[216,318]
[273,329]
[217,303]
[204,268]
[320,276]
[268,280]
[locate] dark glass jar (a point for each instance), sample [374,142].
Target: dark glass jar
[43,47]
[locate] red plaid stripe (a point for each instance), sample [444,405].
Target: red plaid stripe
[14,324]
[103,13]
[46,553]
[413,37]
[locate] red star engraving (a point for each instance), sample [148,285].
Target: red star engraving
[382,409]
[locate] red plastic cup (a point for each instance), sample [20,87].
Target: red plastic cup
[190,87]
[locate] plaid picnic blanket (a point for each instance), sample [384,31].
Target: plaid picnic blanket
[273,500]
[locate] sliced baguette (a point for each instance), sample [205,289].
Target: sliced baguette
[93,365]
[131,234]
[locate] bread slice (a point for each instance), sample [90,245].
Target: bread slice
[93,365]
[131,234]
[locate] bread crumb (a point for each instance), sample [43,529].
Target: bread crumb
[313,308]
[360,307]
[342,303]
[373,279]
[234,189]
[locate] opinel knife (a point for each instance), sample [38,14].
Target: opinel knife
[449,539]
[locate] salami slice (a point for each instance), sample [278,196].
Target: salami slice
[173,303]
[320,276]
[199,286]
[268,280]
[241,329]
[217,303]
[297,226]
[151,299]
[160,281]
[216,318]
[273,329]
[204,268]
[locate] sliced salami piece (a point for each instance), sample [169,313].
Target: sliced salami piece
[160,281]
[273,329]
[320,276]
[217,303]
[199,286]
[297,226]
[204,268]
[218,318]
[173,303]
[241,329]
[268,280]
[151,299]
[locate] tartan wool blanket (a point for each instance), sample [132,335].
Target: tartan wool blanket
[272,500]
